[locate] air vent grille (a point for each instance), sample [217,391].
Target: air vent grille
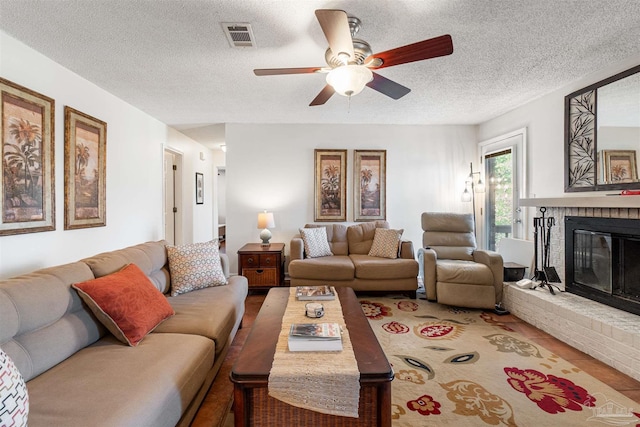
[239,34]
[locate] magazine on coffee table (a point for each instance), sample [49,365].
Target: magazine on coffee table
[315,293]
[315,337]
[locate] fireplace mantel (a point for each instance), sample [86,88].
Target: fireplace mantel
[613,201]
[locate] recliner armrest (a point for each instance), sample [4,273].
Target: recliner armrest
[427,258]
[494,261]
[296,250]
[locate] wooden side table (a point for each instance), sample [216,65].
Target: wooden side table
[263,266]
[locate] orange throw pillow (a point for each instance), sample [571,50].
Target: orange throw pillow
[126,303]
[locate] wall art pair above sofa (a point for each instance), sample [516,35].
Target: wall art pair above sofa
[369,185]
[27,129]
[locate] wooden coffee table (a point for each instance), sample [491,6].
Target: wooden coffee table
[252,404]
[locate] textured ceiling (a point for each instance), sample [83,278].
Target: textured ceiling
[171,59]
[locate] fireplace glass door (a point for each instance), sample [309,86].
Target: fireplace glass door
[592,260]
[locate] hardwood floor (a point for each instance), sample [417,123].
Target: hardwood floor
[217,403]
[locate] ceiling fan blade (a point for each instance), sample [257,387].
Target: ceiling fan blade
[323,96]
[277,71]
[335,26]
[388,87]
[426,49]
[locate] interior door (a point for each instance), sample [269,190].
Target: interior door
[504,168]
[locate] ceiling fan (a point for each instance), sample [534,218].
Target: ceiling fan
[351,61]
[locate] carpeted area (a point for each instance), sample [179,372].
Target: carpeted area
[463,367]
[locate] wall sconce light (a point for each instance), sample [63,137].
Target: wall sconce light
[265,222]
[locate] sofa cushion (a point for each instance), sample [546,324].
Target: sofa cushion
[151,257]
[336,267]
[126,303]
[463,272]
[109,384]
[42,320]
[367,267]
[315,242]
[211,312]
[360,236]
[195,266]
[386,243]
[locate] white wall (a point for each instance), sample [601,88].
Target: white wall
[272,167]
[544,120]
[135,144]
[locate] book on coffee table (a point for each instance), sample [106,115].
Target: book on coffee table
[315,293]
[315,337]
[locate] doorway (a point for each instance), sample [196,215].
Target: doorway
[504,160]
[172,185]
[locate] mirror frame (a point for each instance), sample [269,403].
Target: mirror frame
[581,138]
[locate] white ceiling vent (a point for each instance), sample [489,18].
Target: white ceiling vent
[239,34]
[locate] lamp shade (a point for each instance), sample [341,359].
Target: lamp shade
[349,80]
[265,220]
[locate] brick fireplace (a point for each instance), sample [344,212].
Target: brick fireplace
[606,333]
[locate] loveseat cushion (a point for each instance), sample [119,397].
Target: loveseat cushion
[463,272]
[360,236]
[336,267]
[336,236]
[367,267]
[108,384]
[315,241]
[210,312]
[386,243]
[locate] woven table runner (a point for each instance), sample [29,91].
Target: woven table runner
[325,382]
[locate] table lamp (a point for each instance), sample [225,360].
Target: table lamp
[265,222]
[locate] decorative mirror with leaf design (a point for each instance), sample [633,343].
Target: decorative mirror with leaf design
[602,134]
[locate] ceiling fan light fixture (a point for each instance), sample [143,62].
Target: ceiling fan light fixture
[349,80]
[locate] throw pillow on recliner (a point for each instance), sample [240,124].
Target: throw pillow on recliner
[386,243]
[315,242]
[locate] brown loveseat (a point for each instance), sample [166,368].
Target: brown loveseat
[350,265]
[78,374]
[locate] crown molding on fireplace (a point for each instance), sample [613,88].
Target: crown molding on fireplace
[612,201]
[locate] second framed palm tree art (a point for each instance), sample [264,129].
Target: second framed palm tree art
[330,185]
[369,185]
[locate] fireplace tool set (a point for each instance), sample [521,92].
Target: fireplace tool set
[545,275]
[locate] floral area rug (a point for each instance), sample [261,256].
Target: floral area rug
[462,367]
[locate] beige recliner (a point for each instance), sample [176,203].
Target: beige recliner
[454,271]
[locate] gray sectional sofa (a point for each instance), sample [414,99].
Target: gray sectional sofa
[350,265]
[78,374]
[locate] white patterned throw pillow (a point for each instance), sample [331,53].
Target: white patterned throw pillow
[386,243]
[14,399]
[315,242]
[195,266]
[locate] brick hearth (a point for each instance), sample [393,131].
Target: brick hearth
[608,334]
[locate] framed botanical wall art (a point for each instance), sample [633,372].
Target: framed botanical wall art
[199,188]
[330,185]
[85,164]
[27,181]
[619,166]
[369,187]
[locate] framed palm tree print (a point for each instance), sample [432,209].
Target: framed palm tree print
[330,185]
[85,163]
[27,182]
[369,187]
